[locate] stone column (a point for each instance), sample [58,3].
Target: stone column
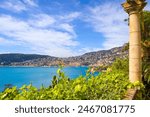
[133,8]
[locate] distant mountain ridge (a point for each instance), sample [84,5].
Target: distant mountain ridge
[18,57]
[103,57]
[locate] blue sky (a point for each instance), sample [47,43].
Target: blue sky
[61,27]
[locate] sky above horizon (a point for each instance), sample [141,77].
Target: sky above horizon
[62,28]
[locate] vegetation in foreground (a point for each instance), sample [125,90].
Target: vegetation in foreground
[110,85]
[145,24]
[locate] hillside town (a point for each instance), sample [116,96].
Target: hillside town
[99,58]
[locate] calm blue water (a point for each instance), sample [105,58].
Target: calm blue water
[18,76]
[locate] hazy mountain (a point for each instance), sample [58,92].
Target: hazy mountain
[7,59]
[103,57]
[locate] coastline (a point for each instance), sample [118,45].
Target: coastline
[42,66]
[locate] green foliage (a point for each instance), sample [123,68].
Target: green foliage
[125,47]
[107,86]
[145,24]
[121,65]
[146,79]
[146,72]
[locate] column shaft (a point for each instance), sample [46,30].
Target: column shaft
[134,48]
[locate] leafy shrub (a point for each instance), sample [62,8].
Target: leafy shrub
[146,80]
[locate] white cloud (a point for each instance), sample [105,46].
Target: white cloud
[18,5]
[10,24]
[6,42]
[108,19]
[40,39]
[70,17]
[2,40]
[88,49]
[67,27]
[15,6]
[42,20]
[30,2]
[55,22]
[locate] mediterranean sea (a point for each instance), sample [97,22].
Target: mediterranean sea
[38,76]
